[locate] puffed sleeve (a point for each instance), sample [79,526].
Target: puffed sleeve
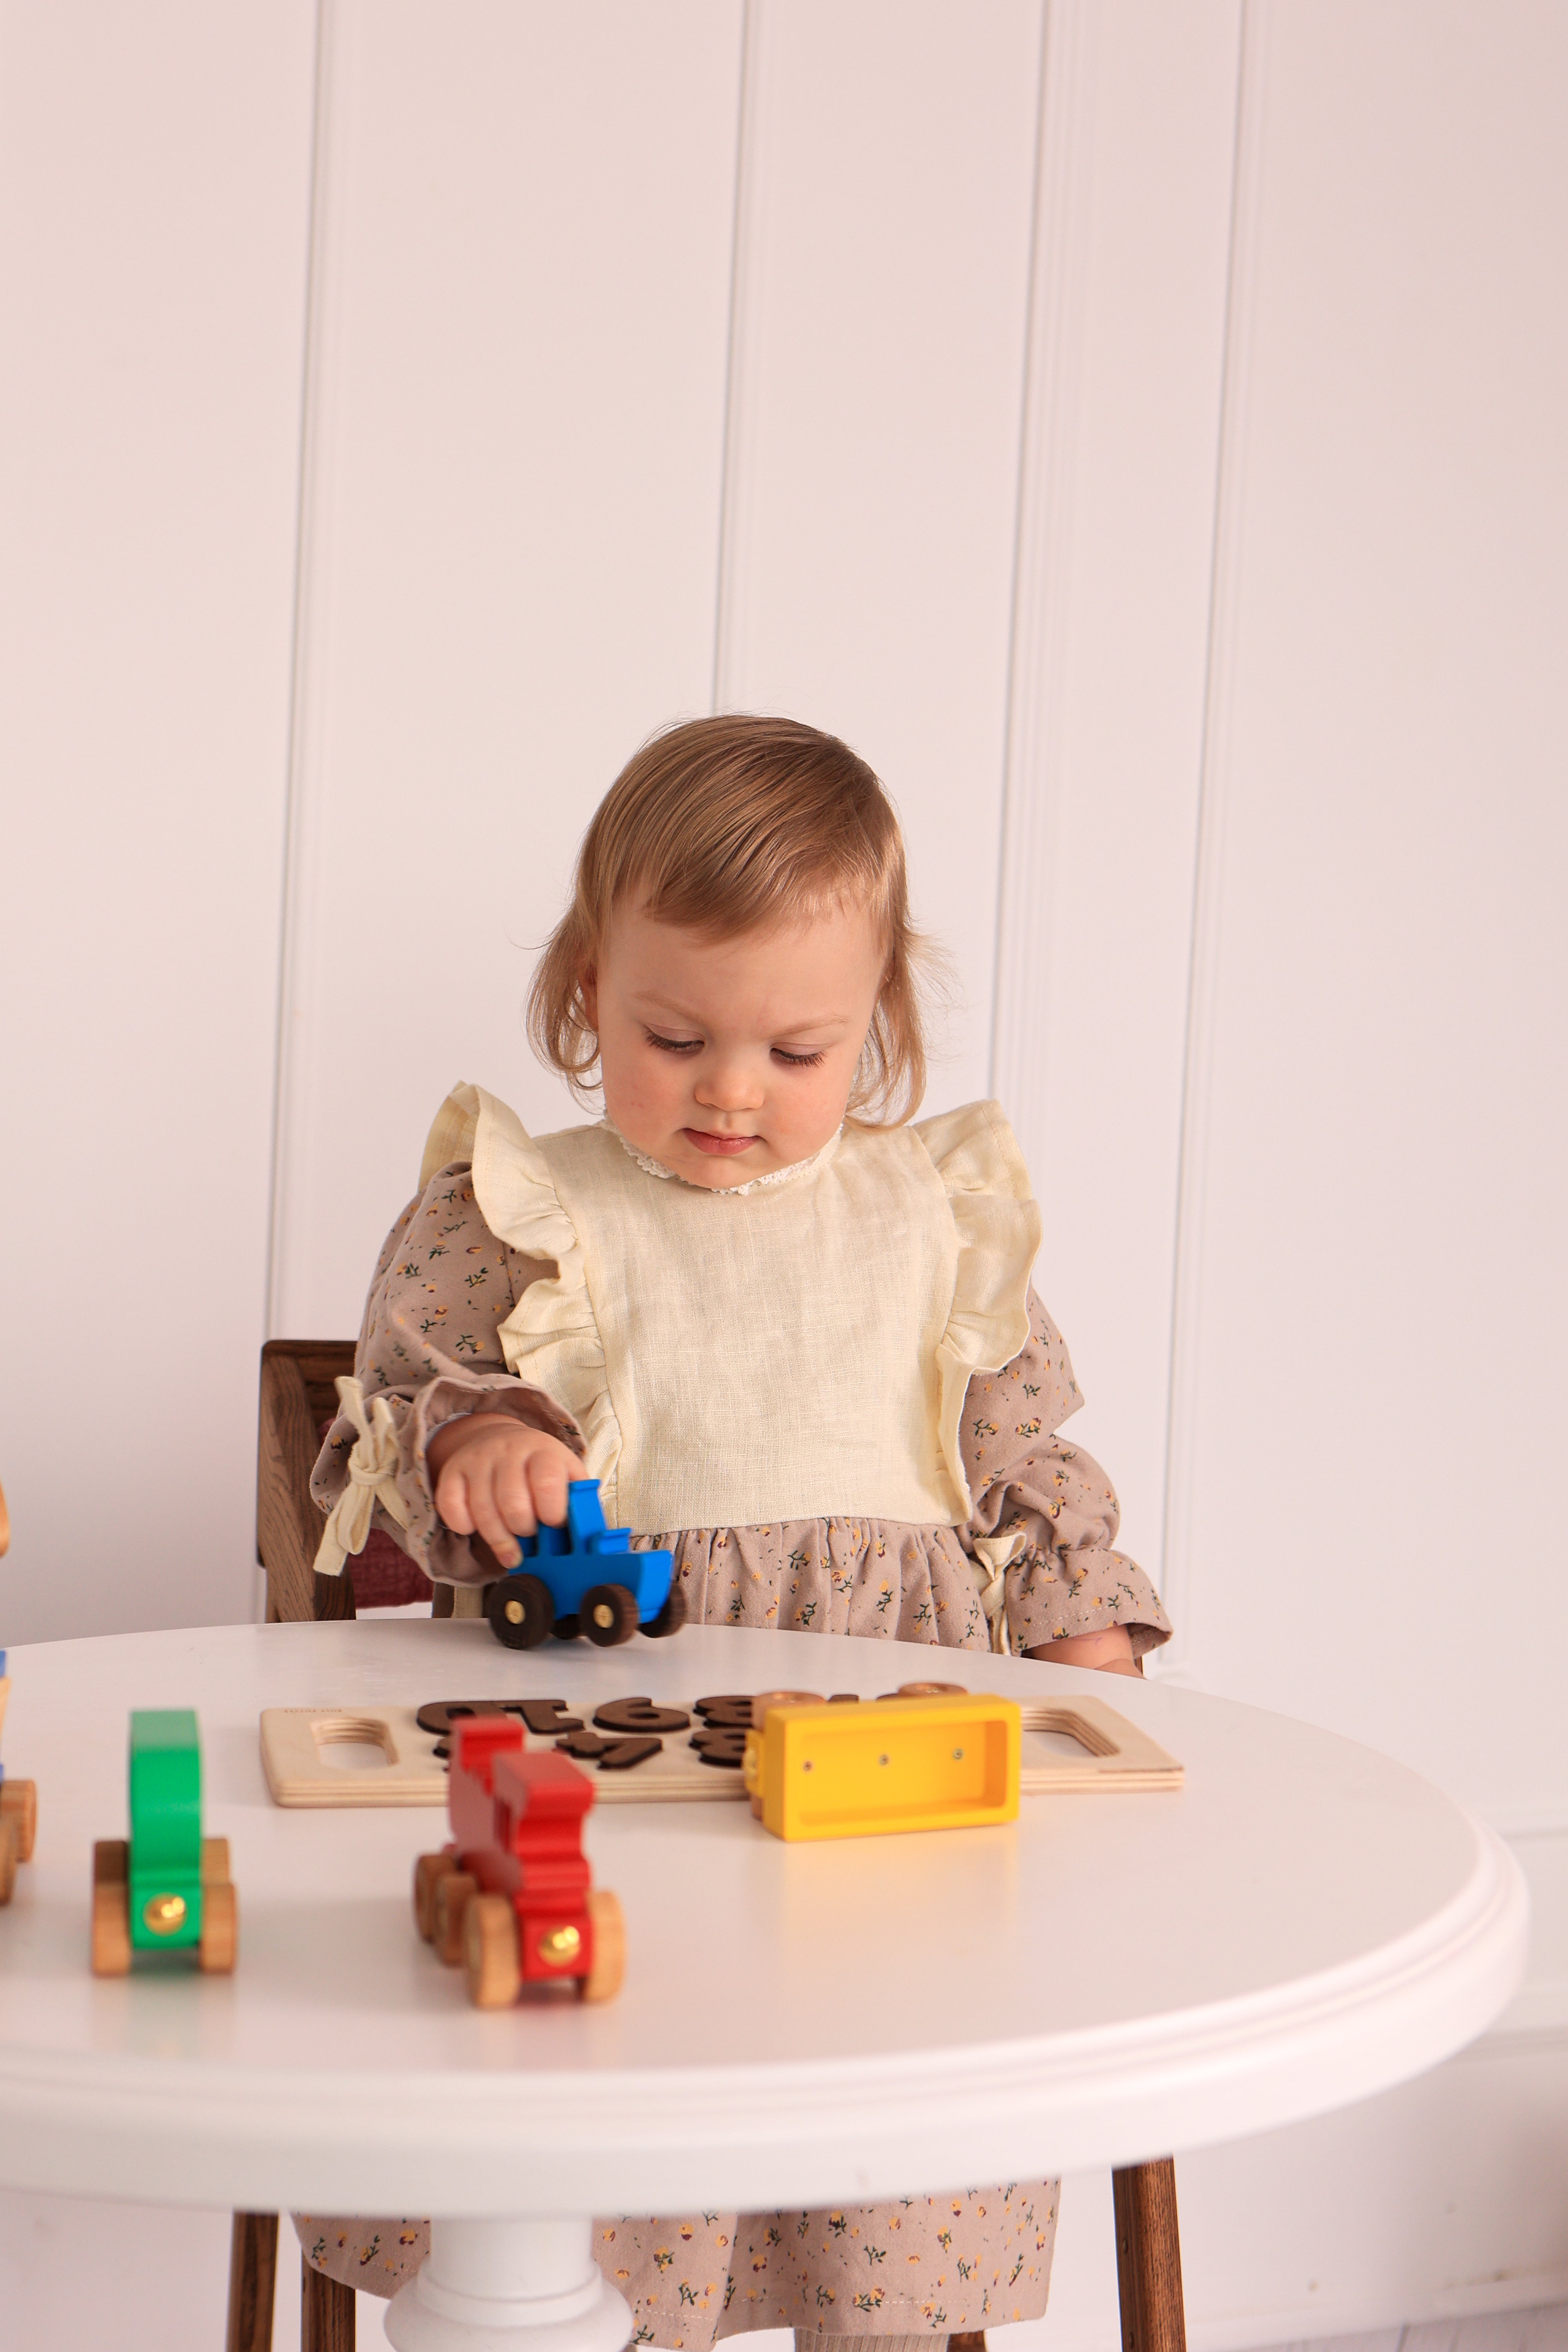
[443,1284]
[1048,1505]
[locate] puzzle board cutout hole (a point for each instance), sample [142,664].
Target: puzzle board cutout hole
[353,1743]
[1067,1735]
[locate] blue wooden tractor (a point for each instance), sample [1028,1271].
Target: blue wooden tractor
[585,1578]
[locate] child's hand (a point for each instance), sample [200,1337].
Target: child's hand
[494,1478]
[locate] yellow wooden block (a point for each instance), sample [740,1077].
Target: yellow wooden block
[828,1772]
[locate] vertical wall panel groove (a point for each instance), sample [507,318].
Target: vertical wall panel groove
[305,512]
[746,130]
[1104,743]
[1037,649]
[1181,1586]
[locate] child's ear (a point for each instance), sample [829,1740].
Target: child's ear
[588,990]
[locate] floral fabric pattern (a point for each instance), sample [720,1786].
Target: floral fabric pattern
[921,2266]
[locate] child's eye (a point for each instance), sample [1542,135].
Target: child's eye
[799,1061]
[674,1045]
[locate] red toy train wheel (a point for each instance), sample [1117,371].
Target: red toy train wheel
[493,1954]
[605,1978]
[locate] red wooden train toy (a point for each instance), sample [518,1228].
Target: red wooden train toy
[511,1896]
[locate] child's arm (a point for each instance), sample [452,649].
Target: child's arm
[1112,1651]
[1046,1516]
[429,1344]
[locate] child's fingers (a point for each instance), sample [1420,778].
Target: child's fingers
[513,1500]
[490,1518]
[452,1500]
[548,1472]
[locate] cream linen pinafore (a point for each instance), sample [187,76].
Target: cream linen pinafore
[715,1348]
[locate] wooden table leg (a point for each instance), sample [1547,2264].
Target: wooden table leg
[252,2276]
[1149,2257]
[326,2312]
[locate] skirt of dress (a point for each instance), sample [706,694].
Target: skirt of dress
[919,2266]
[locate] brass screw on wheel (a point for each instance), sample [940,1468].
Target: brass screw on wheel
[603,1614]
[514,1612]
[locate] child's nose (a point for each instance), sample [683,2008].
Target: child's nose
[730,1086]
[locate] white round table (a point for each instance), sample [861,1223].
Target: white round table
[1111,1979]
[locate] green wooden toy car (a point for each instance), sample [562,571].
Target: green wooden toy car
[167,1888]
[18,1808]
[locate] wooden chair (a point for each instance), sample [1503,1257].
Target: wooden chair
[297,1399]
[298,1402]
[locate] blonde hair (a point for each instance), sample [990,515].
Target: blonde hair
[733,825]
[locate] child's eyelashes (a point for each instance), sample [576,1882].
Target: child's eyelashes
[689,1046]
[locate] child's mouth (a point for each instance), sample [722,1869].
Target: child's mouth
[720,1145]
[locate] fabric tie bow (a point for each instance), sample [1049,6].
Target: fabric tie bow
[994,1556]
[373,1479]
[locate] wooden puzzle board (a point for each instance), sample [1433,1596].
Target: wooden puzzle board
[1108,1753]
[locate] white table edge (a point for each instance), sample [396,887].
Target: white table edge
[763,2136]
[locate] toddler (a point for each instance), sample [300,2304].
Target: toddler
[792,1336]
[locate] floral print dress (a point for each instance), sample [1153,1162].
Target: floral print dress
[1035,1563]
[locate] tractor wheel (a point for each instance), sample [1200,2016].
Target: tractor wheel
[672,1616]
[19,1809]
[219,1946]
[110,1908]
[428,1872]
[453,1892]
[609,1615]
[520,1612]
[8,1859]
[490,1952]
[566,1629]
[603,1981]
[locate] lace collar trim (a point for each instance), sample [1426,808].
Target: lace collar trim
[724,1192]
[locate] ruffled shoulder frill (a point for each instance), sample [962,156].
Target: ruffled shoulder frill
[975,1154]
[551,1338]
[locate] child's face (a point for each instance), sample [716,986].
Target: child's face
[724,1059]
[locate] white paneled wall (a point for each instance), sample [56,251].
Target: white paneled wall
[882,291]
[1373,1283]
[1137,428]
[514,456]
[1123,413]
[154,198]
